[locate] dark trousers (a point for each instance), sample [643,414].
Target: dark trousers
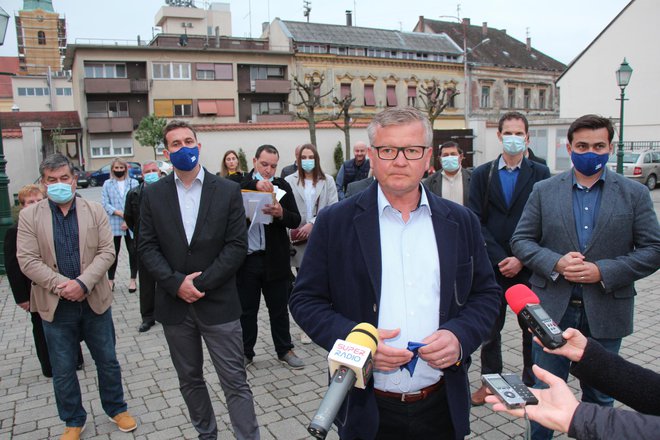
[132,256]
[42,348]
[491,350]
[251,282]
[147,294]
[424,419]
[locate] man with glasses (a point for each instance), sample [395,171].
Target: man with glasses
[414,266]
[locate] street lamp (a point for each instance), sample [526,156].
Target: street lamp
[5,208]
[623,75]
[466,74]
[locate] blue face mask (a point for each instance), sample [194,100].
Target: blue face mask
[151,177]
[307,164]
[589,163]
[449,163]
[258,176]
[60,193]
[185,159]
[513,144]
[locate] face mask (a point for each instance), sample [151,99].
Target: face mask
[151,177]
[589,163]
[513,144]
[449,163]
[258,176]
[119,173]
[185,159]
[59,193]
[307,164]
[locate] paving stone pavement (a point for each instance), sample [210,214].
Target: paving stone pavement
[285,400]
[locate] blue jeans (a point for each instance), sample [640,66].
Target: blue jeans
[559,365]
[73,322]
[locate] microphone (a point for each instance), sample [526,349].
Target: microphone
[526,304]
[351,364]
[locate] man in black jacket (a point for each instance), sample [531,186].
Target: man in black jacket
[498,193]
[267,268]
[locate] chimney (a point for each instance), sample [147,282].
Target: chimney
[421,23]
[349,18]
[484,28]
[529,44]
[466,21]
[264,27]
[503,31]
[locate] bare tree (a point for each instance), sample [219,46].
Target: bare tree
[344,110]
[308,91]
[435,98]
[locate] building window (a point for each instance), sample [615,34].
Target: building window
[266,72]
[107,109]
[391,96]
[112,147]
[369,97]
[217,107]
[267,108]
[451,98]
[412,96]
[511,97]
[41,38]
[542,99]
[485,96]
[205,72]
[169,108]
[345,90]
[105,70]
[174,71]
[33,91]
[527,93]
[63,91]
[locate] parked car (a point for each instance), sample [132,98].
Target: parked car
[83,177]
[642,166]
[165,167]
[96,178]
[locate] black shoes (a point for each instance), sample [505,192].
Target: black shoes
[145,326]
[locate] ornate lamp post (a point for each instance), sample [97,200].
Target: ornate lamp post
[623,75]
[5,208]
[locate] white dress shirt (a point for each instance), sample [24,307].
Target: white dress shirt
[189,199]
[410,289]
[452,187]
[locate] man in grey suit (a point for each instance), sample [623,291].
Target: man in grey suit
[452,182]
[587,234]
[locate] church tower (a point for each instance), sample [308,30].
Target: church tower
[41,37]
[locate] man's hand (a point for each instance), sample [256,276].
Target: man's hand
[71,290]
[442,349]
[569,260]
[265,185]
[187,290]
[119,213]
[584,273]
[24,305]
[574,347]
[556,404]
[274,209]
[510,266]
[389,358]
[304,232]
[124,226]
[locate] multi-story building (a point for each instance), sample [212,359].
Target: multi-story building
[41,37]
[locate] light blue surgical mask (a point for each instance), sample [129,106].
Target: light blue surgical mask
[258,176]
[513,144]
[307,164]
[151,177]
[60,193]
[450,163]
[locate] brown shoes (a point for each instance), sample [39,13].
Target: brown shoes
[478,398]
[72,432]
[124,422]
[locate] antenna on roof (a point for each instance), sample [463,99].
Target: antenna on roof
[307,8]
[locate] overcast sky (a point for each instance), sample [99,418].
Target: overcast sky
[558,28]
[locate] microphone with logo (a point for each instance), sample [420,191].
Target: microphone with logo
[526,304]
[350,364]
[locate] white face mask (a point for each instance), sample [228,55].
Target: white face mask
[513,144]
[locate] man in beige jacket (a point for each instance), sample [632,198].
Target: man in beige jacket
[65,247]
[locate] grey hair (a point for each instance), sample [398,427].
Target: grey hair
[149,162]
[400,116]
[55,162]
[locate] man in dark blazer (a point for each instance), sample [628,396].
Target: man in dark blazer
[588,234]
[192,241]
[359,186]
[267,267]
[413,265]
[451,157]
[498,192]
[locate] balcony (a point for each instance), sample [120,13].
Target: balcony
[139,86]
[115,85]
[271,86]
[272,118]
[110,125]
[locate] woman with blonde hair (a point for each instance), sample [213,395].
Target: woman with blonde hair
[231,167]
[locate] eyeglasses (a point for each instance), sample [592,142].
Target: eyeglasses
[391,153]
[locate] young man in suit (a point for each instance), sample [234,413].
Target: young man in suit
[587,234]
[192,241]
[267,267]
[498,192]
[452,182]
[413,265]
[65,247]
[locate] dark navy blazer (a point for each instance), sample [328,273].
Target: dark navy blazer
[339,285]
